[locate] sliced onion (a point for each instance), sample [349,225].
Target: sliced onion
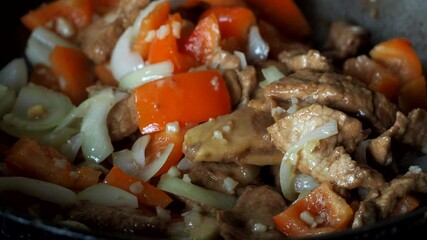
[40,189]
[151,169]
[56,105]
[96,141]
[15,74]
[146,74]
[108,195]
[326,130]
[196,193]
[304,182]
[123,60]
[258,49]
[71,147]
[125,160]
[40,45]
[287,175]
[289,161]
[271,74]
[138,149]
[8,98]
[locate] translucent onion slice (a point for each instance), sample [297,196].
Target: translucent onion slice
[15,74]
[146,74]
[123,60]
[288,165]
[40,189]
[196,193]
[138,149]
[108,195]
[38,108]
[151,169]
[96,141]
[40,45]
[71,147]
[258,49]
[271,74]
[7,97]
[125,160]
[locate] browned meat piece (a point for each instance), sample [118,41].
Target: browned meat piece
[254,209]
[97,41]
[416,131]
[336,91]
[410,130]
[380,203]
[241,85]
[122,119]
[248,81]
[346,40]
[329,161]
[117,219]
[212,175]
[380,147]
[233,86]
[224,60]
[240,137]
[308,60]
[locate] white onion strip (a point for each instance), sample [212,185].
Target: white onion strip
[151,169]
[196,193]
[146,74]
[108,195]
[289,161]
[96,141]
[138,149]
[40,189]
[7,97]
[123,60]
[15,74]
[258,49]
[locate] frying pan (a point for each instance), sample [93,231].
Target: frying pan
[383,18]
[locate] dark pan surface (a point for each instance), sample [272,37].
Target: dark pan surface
[384,18]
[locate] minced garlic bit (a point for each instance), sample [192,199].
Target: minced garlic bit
[226,128]
[176,29]
[218,134]
[150,36]
[64,28]
[37,111]
[60,163]
[415,169]
[229,185]
[74,174]
[308,218]
[172,127]
[259,228]
[186,178]
[162,32]
[136,187]
[215,83]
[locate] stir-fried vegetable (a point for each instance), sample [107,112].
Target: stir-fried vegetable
[197,96]
[321,211]
[146,193]
[32,159]
[79,12]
